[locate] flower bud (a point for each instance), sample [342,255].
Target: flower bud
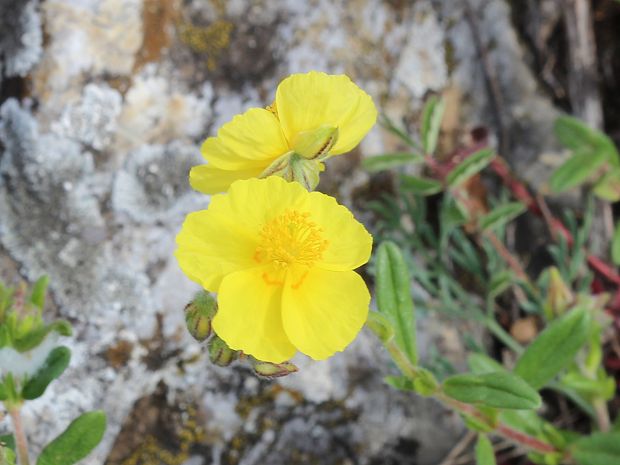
[198,315]
[317,143]
[273,370]
[219,352]
[559,296]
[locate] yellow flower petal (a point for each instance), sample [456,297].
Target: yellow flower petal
[308,101]
[249,317]
[211,180]
[211,246]
[348,242]
[249,140]
[324,313]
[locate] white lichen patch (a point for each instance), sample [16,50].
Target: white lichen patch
[155,112]
[422,66]
[93,119]
[87,36]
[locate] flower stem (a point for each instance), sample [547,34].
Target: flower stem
[21,442]
[411,371]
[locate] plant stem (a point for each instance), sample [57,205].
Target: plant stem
[411,371]
[21,442]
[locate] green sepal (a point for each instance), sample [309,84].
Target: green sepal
[499,389]
[76,442]
[381,326]
[554,348]
[55,364]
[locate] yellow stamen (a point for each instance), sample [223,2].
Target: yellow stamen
[290,239]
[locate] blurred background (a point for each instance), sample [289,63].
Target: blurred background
[103,106]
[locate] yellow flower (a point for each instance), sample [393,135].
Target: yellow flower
[281,260]
[314,115]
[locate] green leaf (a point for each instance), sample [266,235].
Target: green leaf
[554,348]
[597,449]
[76,442]
[33,338]
[576,170]
[394,300]
[615,245]
[480,363]
[502,215]
[390,160]
[55,364]
[577,135]
[484,451]
[472,165]
[8,440]
[421,186]
[7,456]
[431,123]
[608,187]
[498,389]
[37,295]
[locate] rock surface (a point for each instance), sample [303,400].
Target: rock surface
[95,151]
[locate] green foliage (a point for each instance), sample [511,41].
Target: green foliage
[381,326]
[472,165]
[591,151]
[390,160]
[501,215]
[615,245]
[499,389]
[484,451]
[55,364]
[393,291]
[76,442]
[37,294]
[597,449]
[431,123]
[420,186]
[554,349]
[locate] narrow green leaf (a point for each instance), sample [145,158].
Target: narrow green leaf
[484,451]
[390,160]
[501,215]
[394,297]
[76,442]
[470,166]
[597,449]
[576,170]
[554,348]
[7,456]
[55,364]
[499,389]
[388,124]
[615,245]
[37,295]
[431,123]
[577,135]
[421,186]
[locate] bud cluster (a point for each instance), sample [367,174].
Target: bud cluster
[199,314]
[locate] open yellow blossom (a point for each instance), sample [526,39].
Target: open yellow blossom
[314,116]
[281,260]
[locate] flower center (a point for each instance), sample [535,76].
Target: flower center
[289,239]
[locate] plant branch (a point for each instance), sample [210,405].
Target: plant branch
[411,372]
[21,442]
